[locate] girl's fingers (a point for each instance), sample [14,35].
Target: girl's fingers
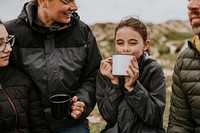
[134,63]
[131,75]
[133,69]
[109,60]
[133,72]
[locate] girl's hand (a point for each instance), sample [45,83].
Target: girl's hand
[133,74]
[106,70]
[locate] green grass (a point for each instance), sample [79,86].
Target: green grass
[168,60]
[96,127]
[166,113]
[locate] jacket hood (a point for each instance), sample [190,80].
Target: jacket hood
[193,47]
[195,44]
[144,60]
[29,14]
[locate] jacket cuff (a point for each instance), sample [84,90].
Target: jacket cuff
[104,80]
[135,90]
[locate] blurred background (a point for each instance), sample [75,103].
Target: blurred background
[168,31]
[95,11]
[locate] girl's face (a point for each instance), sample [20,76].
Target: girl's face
[129,41]
[4,55]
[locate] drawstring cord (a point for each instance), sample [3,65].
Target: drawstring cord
[12,104]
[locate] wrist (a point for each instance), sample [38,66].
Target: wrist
[115,81]
[129,89]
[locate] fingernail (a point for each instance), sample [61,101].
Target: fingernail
[75,99]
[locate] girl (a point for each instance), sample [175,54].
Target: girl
[20,109]
[133,103]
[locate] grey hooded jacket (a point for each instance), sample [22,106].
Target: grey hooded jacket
[61,59]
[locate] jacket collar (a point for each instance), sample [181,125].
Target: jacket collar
[29,12]
[144,59]
[195,44]
[193,47]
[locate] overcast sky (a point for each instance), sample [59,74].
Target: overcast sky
[94,11]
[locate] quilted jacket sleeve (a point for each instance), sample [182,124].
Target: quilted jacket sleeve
[180,120]
[86,91]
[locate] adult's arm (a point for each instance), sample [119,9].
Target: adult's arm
[86,91]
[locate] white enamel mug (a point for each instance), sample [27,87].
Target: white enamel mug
[120,64]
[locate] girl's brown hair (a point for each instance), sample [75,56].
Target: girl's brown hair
[135,24]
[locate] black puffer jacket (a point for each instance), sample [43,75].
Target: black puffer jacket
[185,100]
[139,111]
[26,115]
[62,59]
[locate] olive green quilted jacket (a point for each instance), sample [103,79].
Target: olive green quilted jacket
[185,100]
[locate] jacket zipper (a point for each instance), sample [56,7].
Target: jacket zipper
[13,107]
